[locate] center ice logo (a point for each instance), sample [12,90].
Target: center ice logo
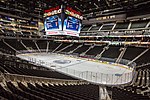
[62,61]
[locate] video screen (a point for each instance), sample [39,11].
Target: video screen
[72,24]
[58,25]
[53,23]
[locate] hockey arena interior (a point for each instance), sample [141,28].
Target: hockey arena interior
[74,49]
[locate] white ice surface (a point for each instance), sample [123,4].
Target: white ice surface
[83,65]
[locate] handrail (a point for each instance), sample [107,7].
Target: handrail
[34,79]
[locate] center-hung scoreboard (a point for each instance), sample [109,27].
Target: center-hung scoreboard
[62,21]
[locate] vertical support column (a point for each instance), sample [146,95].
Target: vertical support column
[129,26]
[47,47]
[103,93]
[147,24]
[100,28]
[114,26]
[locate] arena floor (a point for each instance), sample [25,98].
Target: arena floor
[83,68]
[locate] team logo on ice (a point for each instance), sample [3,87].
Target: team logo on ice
[62,61]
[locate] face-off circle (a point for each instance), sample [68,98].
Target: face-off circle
[62,61]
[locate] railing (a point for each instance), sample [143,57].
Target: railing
[22,78]
[100,78]
[109,79]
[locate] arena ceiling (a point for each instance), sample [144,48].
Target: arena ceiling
[86,7]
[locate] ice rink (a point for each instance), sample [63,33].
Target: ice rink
[83,68]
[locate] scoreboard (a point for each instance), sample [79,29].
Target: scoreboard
[53,25]
[72,26]
[53,21]
[62,21]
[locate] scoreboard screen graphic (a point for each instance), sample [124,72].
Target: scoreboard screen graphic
[52,23]
[72,26]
